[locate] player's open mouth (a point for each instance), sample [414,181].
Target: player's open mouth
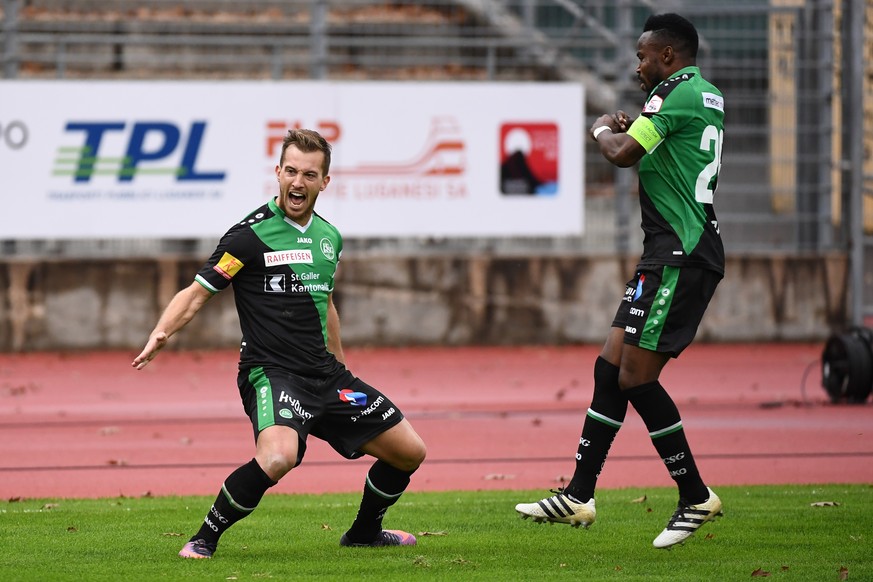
[296,199]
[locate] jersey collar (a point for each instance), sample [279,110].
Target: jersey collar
[278,211]
[692,70]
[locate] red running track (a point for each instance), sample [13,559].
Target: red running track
[88,425]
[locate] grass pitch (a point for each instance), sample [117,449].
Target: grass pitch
[790,532]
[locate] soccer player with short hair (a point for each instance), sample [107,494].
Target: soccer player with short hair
[677,140]
[281,260]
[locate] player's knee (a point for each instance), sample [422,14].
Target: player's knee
[276,464]
[627,379]
[419,454]
[276,458]
[412,456]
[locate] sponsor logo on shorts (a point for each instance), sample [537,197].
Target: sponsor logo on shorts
[388,413]
[295,406]
[639,290]
[352,397]
[369,410]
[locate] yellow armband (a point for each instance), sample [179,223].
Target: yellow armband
[644,131]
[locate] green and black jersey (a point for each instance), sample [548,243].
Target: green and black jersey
[682,129]
[282,274]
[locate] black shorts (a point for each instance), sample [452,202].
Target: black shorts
[662,307]
[342,410]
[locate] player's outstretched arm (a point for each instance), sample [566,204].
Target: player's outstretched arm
[181,309]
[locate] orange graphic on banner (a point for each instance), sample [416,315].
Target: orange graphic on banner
[228,266]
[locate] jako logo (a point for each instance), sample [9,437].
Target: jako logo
[148,142]
[353,398]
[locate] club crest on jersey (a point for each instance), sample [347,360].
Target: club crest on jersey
[327,249]
[654,105]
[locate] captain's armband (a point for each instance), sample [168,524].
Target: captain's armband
[645,132]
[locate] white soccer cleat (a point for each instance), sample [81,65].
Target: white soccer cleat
[560,508]
[687,519]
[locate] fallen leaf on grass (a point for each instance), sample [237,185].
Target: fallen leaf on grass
[825,504]
[172,534]
[17,499]
[639,499]
[759,573]
[50,506]
[72,529]
[844,573]
[433,533]
[326,526]
[421,561]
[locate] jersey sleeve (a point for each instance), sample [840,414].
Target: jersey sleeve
[228,259]
[671,110]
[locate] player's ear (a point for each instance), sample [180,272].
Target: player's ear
[667,55]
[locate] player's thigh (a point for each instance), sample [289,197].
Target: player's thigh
[355,413]
[272,397]
[663,307]
[693,290]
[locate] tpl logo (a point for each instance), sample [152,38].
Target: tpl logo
[147,141]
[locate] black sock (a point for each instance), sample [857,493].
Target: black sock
[239,496]
[661,416]
[383,488]
[604,419]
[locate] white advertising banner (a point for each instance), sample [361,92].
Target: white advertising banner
[148,159]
